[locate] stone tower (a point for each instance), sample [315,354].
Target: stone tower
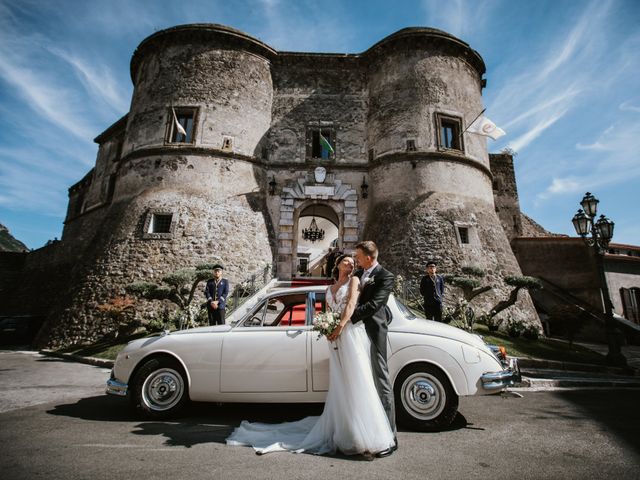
[251,162]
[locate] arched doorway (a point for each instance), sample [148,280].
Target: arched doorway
[318,234]
[334,201]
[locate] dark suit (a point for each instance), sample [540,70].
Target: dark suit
[372,310]
[218,293]
[433,296]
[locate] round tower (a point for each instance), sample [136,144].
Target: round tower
[431,186]
[161,198]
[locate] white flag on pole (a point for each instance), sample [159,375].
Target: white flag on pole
[179,127]
[484,126]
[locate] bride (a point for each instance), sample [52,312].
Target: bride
[353,420]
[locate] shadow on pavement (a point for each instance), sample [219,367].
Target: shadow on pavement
[200,422]
[103,408]
[616,410]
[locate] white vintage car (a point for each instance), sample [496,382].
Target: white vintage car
[269,353]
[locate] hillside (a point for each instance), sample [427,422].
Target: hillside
[8,243]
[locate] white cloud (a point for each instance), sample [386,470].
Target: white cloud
[629,107]
[98,81]
[610,160]
[549,87]
[561,186]
[535,131]
[459,17]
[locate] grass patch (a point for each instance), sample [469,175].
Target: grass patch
[107,349]
[543,348]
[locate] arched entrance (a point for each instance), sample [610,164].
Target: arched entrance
[320,219]
[332,201]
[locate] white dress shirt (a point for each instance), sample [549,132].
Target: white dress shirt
[367,273]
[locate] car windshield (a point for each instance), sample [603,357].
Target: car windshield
[405,310]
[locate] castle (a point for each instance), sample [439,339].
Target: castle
[373,142]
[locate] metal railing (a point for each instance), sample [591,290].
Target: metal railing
[249,286]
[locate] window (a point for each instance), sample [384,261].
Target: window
[449,132]
[371,154]
[303,265]
[281,311]
[227,144]
[111,187]
[186,118]
[631,303]
[321,142]
[463,233]
[159,224]
[411,145]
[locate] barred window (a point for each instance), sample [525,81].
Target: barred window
[160,223]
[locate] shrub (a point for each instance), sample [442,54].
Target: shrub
[514,328]
[531,332]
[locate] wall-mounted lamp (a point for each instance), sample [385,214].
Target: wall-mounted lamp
[272,185]
[364,188]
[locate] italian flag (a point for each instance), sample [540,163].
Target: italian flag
[324,143]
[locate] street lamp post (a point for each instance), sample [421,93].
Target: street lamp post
[598,234]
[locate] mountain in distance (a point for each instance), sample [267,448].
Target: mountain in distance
[10,244]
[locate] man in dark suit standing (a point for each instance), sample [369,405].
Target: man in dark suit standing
[432,290]
[217,292]
[376,286]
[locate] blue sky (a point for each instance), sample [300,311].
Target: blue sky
[562,81]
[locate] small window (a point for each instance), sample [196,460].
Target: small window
[160,223]
[411,145]
[463,233]
[631,303]
[227,144]
[79,205]
[111,187]
[303,265]
[321,143]
[449,132]
[185,117]
[372,154]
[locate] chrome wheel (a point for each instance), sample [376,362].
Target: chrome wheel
[162,390]
[423,396]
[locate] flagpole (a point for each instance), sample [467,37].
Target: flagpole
[477,117]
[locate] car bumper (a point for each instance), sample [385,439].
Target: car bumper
[114,387]
[506,378]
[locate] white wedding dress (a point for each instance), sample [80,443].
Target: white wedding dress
[353,420]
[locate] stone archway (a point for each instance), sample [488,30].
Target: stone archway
[340,197]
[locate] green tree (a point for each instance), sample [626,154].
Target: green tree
[178,287]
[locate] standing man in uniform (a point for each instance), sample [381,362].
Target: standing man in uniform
[216,291]
[432,290]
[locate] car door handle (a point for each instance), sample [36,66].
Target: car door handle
[294,333]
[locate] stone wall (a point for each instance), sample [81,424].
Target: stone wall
[505,193]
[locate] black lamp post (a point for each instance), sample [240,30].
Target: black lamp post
[598,234]
[364,188]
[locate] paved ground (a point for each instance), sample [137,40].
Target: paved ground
[57,423]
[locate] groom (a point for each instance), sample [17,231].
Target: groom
[376,285]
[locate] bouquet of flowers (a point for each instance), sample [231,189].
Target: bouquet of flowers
[325,323]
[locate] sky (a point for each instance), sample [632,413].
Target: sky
[562,81]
